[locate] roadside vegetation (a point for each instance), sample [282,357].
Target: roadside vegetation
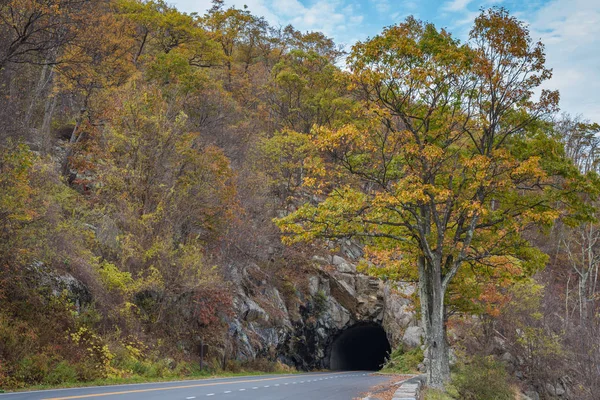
[476,379]
[403,361]
[132,379]
[65,375]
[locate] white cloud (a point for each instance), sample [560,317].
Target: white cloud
[456,5]
[332,17]
[328,16]
[382,6]
[570,29]
[257,7]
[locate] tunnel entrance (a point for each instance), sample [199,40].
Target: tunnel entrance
[360,347]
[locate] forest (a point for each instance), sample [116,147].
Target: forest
[144,152]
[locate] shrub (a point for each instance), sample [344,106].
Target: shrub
[184,368]
[433,394]
[233,366]
[482,378]
[158,369]
[61,373]
[258,365]
[113,278]
[33,369]
[405,362]
[320,303]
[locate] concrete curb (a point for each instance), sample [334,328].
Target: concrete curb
[410,389]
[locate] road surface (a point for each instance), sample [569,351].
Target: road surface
[308,386]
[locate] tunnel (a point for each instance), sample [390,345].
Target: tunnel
[362,347]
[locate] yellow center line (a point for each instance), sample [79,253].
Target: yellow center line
[85,396]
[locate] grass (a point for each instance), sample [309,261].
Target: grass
[433,394]
[144,379]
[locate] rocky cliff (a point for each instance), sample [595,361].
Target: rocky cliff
[333,298]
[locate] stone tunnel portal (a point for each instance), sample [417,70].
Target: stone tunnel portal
[360,347]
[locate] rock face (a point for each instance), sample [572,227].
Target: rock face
[58,284]
[336,298]
[412,337]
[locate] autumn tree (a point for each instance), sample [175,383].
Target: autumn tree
[236,31]
[33,35]
[33,31]
[445,167]
[315,42]
[15,166]
[305,89]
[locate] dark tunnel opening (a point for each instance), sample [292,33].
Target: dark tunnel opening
[361,347]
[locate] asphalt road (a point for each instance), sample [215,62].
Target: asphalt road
[309,386]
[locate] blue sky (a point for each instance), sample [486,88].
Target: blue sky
[570,29]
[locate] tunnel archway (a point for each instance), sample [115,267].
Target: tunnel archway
[360,347]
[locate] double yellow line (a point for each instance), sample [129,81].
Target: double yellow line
[86,396]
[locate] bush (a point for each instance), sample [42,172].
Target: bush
[159,369]
[61,373]
[88,371]
[320,303]
[258,365]
[184,368]
[233,366]
[433,394]
[483,378]
[33,369]
[404,362]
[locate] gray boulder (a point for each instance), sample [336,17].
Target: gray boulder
[412,336]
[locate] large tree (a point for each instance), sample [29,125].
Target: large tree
[445,167]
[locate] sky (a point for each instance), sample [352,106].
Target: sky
[570,29]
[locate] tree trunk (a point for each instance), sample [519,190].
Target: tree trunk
[438,351]
[75,137]
[433,319]
[45,133]
[583,299]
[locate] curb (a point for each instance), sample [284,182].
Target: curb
[410,389]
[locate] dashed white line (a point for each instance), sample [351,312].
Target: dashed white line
[227,391]
[255,387]
[210,394]
[190,398]
[241,390]
[266,386]
[277,384]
